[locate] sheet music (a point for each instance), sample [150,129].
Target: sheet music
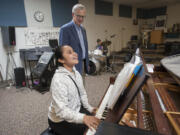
[123,79]
[120,83]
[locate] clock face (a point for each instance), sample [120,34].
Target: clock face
[39,16]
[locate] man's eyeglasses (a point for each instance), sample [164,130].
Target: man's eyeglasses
[80,16]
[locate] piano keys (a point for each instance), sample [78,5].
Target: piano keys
[102,110]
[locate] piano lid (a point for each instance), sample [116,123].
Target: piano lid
[172,65]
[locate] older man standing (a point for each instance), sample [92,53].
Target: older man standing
[74,34]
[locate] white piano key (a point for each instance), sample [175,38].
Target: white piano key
[91,132]
[104,102]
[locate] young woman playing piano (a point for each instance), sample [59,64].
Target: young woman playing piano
[69,112]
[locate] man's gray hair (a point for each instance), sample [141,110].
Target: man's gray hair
[78,7]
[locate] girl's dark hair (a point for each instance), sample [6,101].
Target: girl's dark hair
[59,55]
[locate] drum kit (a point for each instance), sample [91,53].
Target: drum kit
[98,57]
[96,60]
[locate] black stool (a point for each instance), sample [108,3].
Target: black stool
[48,131]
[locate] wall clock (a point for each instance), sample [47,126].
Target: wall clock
[39,16]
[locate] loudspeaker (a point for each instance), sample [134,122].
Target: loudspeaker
[8,35]
[20,77]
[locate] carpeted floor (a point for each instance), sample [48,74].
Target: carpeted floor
[24,111]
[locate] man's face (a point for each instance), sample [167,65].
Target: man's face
[79,16]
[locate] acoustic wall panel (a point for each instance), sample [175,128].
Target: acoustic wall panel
[150,13]
[125,11]
[12,13]
[62,11]
[103,7]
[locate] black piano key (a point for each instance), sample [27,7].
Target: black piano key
[105,112]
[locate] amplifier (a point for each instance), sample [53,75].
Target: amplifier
[20,77]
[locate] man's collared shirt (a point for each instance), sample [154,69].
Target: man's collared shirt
[81,39]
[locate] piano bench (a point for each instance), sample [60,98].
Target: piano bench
[48,131]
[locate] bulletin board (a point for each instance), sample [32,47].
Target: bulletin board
[34,36]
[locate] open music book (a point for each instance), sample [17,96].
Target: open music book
[123,79]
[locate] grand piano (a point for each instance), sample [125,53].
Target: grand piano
[139,99]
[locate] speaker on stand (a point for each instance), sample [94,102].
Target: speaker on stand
[8,35]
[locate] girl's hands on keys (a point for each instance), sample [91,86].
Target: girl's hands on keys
[91,121]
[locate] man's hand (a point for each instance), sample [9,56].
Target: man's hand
[91,121]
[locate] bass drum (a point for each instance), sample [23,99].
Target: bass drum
[94,66]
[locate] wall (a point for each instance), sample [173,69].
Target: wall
[38,5]
[97,26]
[173,17]
[173,14]
[30,7]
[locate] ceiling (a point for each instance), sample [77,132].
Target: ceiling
[145,3]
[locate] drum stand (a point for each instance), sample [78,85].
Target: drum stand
[108,67]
